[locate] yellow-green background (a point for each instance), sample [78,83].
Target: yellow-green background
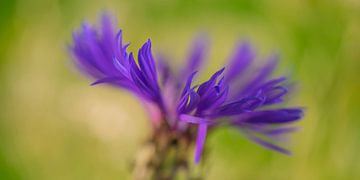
[54,126]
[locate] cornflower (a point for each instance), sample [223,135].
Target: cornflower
[181,113]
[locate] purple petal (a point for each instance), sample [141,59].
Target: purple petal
[194,119]
[121,68]
[200,141]
[120,51]
[272,83]
[107,35]
[188,83]
[97,49]
[94,49]
[269,145]
[140,81]
[145,76]
[274,95]
[188,102]
[146,62]
[280,131]
[182,103]
[196,57]
[219,99]
[241,59]
[275,116]
[193,102]
[204,87]
[267,129]
[263,74]
[212,99]
[238,107]
[108,80]
[165,71]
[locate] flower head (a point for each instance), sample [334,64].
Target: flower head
[236,96]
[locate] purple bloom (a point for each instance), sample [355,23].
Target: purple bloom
[236,96]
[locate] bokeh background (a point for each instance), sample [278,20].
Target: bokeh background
[55,126]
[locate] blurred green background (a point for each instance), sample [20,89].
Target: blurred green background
[54,126]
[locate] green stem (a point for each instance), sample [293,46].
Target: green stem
[165,156]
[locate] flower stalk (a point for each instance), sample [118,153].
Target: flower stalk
[165,155]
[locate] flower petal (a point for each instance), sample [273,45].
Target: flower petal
[278,116]
[268,145]
[239,62]
[238,107]
[263,74]
[194,119]
[204,87]
[200,142]
[196,56]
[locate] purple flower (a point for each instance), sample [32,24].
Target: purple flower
[237,96]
